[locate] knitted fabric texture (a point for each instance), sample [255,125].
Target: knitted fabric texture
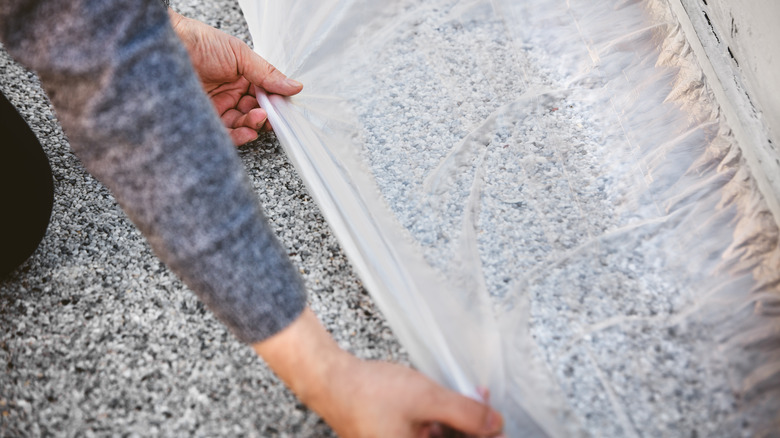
[135,114]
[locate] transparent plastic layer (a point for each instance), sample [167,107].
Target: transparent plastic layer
[544,200]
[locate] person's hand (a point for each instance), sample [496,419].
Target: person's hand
[379,399]
[229,71]
[368,399]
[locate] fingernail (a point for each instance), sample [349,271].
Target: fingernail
[484,393]
[293,83]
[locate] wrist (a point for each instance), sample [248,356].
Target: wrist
[308,360]
[321,387]
[175,19]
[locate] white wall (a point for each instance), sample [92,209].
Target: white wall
[751,30]
[738,44]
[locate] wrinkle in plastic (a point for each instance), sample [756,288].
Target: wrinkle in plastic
[543,200]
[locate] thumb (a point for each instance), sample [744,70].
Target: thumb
[264,75]
[463,413]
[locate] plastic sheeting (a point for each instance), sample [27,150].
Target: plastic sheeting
[543,200]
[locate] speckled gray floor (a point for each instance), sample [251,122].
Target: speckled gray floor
[583,153]
[98,338]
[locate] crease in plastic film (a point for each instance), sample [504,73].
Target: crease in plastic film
[574,169]
[363,234]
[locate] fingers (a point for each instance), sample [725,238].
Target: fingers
[247,103]
[254,119]
[243,136]
[244,128]
[433,430]
[463,413]
[484,393]
[264,75]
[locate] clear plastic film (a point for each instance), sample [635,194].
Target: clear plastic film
[544,200]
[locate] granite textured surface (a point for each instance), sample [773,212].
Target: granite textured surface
[583,149]
[98,338]
[573,213]
[575,155]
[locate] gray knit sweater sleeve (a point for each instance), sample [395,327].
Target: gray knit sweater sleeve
[135,114]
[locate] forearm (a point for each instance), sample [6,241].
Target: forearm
[135,114]
[306,358]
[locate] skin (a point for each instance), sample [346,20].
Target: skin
[357,398]
[367,398]
[229,72]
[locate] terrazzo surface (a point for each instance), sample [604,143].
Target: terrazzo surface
[98,338]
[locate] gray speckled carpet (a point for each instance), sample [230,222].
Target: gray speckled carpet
[600,229]
[98,338]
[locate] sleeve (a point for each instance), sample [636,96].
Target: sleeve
[135,114]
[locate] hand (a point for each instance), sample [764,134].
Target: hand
[378,399]
[367,399]
[229,71]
